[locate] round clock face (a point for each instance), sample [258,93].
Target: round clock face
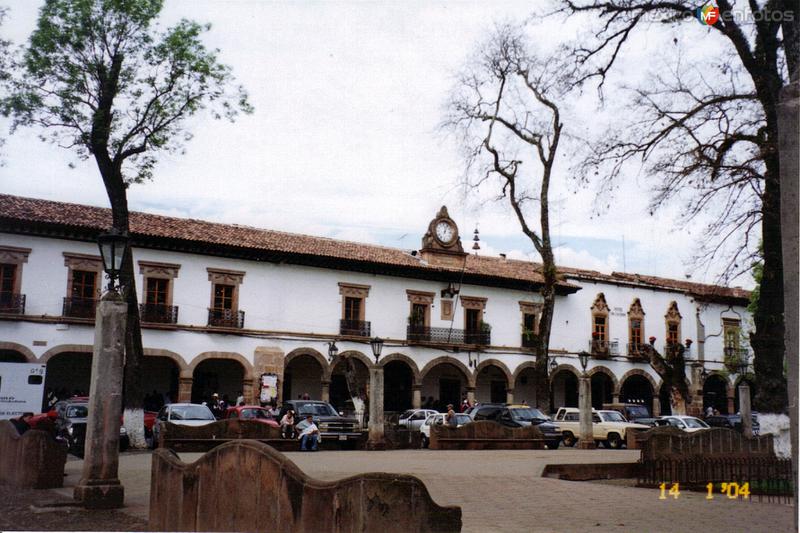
[445,232]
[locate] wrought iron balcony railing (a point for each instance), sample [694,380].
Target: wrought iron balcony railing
[448,335]
[158,313]
[636,350]
[226,318]
[12,304]
[79,307]
[529,341]
[601,348]
[356,328]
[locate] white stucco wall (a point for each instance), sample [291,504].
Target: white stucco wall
[280,299]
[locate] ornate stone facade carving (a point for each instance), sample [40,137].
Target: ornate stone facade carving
[151,269]
[473,302]
[354,290]
[227,277]
[420,297]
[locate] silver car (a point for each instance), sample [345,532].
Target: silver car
[182,414]
[414,418]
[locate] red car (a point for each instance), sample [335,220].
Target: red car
[252,412]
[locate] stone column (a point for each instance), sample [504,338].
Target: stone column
[656,406]
[744,409]
[615,397]
[509,395]
[471,395]
[185,389]
[99,487]
[416,396]
[250,393]
[326,391]
[586,440]
[731,405]
[788,119]
[376,439]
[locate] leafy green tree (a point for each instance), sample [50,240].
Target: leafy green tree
[99,77]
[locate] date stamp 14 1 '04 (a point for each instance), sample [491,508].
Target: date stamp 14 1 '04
[731,490]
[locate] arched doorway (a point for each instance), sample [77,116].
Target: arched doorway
[664,394]
[340,393]
[602,389]
[12,356]
[491,385]
[565,389]
[715,393]
[302,375]
[160,381]
[222,376]
[69,374]
[637,389]
[525,387]
[753,391]
[443,384]
[398,380]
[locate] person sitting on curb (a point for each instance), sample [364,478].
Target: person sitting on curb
[287,425]
[309,434]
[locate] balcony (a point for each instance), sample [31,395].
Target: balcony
[602,349]
[529,341]
[636,350]
[354,328]
[79,308]
[158,313]
[12,304]
[733,356]
[225,318]
[448,335]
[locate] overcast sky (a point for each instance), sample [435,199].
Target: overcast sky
[344,140]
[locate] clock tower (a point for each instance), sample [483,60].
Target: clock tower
[441,244]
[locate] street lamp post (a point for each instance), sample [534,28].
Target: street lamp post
[376,439]
[744,399]
[586,440]
[99,486]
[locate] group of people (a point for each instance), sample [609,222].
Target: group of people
[711,411]
[437,405]
[306,430]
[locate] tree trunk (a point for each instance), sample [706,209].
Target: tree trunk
[767,341]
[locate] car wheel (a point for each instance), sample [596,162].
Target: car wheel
[569,439]
[614,441]
[553,444]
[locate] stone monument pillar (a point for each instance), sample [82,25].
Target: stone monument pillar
[99,487]
[586,438]
[744,409]
[788,132]
[376,439]
[416,396]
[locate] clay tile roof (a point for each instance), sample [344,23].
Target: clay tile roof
[34,211]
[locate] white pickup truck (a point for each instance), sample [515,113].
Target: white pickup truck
[608,427]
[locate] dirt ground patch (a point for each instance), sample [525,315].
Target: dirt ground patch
[43,510]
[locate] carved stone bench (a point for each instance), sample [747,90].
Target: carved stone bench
[33,460]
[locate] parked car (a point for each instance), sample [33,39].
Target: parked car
[608,427]
[251,412]
[182,414]
[520,415]
[437,419]
[414,418]
[732,422]
[332,425]
[633,412]
[71,420]
[689,424]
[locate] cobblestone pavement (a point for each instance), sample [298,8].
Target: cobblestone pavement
[498,491]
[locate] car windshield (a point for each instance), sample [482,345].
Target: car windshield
[526,413]
[695,423]
[191,412]
[249,414]
[613,416]
[316,409]
[408,413]
[637,411]
[78,411]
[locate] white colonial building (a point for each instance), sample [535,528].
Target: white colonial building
[222,305]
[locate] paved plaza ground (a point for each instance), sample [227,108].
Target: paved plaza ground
[496,490]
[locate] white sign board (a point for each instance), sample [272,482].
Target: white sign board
[269,388]
[21,389]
